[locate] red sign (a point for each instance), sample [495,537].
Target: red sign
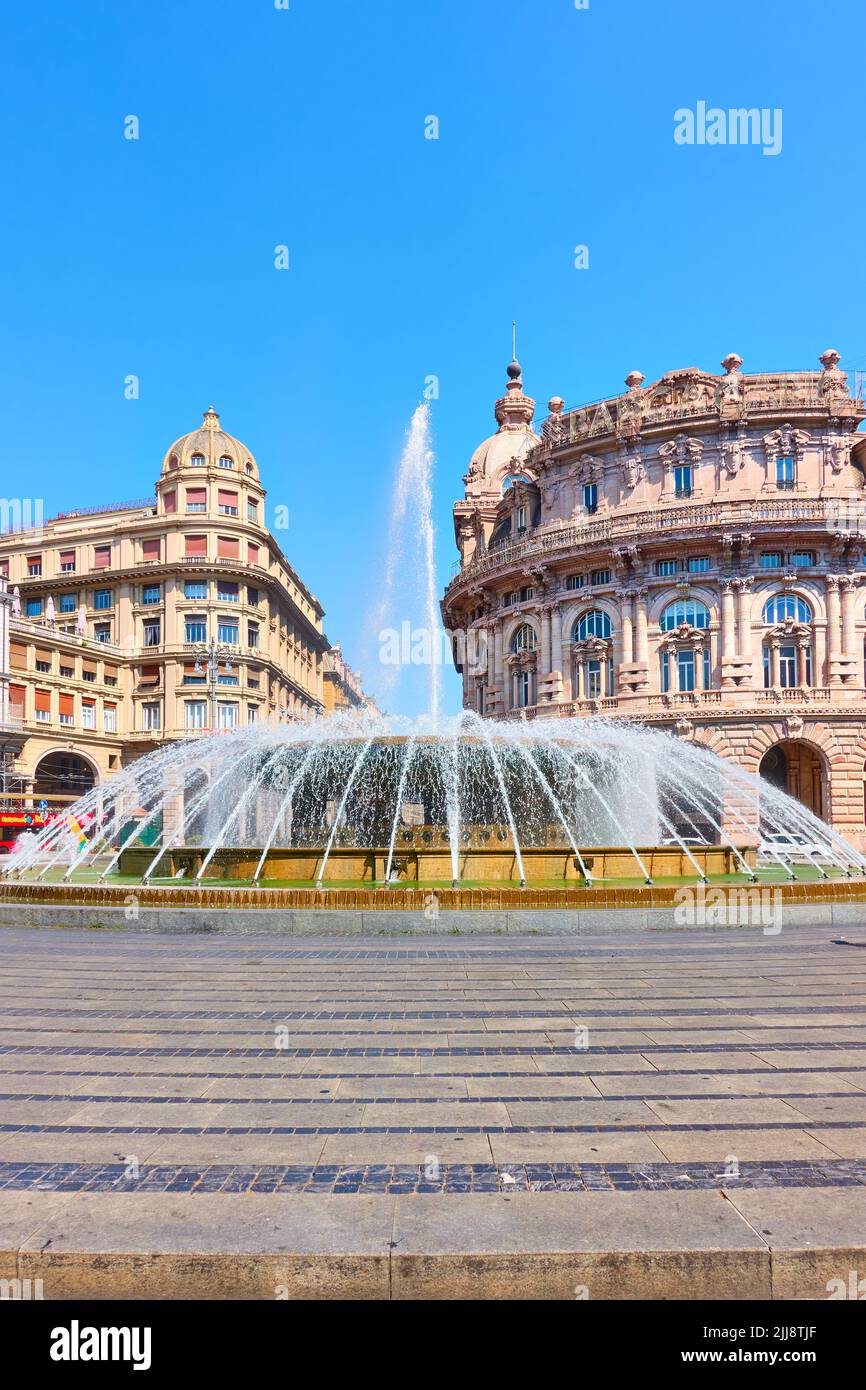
[22,818]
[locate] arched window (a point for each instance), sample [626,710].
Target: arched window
[595,623]
[684,610]
[524,639]
[782,606]
[226,462]
[197,461]
[511,478]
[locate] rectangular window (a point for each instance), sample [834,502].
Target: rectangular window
[252,597]
[102,632]
[227,631]
[803,559]
[252,634]
[227,591]
[228,678]
[252,714]
[227,502]
[252,553]
[685,670]
[196,499]
[593,680]
[151,549]
[527,593]
[68,603]
[34,566]
[152,633]
[151,715]
[227,716]
[88,714]
[666,568]
[102,598]
[102,557]
[196,547]
[67,562]
[600,577]
[574,581]
[590,497]
[109,719]
[195,714]
[228,547]
[520,518]
[33,607]
[770,560]
[43,666]
[509,599]
[43,706]
[169,502]
[683,480]
[196,630]
[785,473]
[252,511]
[699,564]
[66,708]
[67,672]
[151,593]
[195,589]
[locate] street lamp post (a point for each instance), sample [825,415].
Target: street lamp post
[208,658]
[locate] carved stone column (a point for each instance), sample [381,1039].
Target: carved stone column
[627,626]
[775,665]
[803,664]
[834,628]
[849,594]
[744,615]
[728,632]
[641,637]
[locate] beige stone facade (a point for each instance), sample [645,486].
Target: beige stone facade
[342,686]
[689,554]
[107,657]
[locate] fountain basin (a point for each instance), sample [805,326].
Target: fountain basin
[433,864]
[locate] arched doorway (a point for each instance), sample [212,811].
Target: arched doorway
[798,769]
[62,777]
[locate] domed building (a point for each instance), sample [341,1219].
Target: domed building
[152,620]
[688,553]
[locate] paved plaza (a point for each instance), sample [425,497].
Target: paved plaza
[677,1114]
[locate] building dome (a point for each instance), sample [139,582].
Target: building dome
[211,444]
[503,452]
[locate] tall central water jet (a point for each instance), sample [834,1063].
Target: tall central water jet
[407,610]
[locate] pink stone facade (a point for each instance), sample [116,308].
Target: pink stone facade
[689,554]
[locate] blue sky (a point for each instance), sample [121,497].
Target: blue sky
[408,257]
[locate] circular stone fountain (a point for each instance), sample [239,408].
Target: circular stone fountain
[380,805]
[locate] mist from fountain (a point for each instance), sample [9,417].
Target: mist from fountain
[380,783]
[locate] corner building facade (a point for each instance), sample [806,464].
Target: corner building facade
[688,554]
[117,604]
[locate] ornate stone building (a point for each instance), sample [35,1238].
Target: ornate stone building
[689,554]
[114,608]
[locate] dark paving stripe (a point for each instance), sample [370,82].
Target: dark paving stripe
[449,1076]
[612,1050]
[82,1098]
[447,1178]
[403,1015]
[661,1128]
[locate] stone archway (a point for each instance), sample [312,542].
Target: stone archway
[798,768]
[63,777]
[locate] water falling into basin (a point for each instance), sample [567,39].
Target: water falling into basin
[384,800]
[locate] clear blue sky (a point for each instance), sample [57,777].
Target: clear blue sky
[409,257]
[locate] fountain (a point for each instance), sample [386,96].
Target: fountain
[378,807]
[382,803]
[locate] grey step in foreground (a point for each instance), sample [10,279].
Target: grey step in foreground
[753,1244]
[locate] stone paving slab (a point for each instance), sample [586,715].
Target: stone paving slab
[437,1088]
